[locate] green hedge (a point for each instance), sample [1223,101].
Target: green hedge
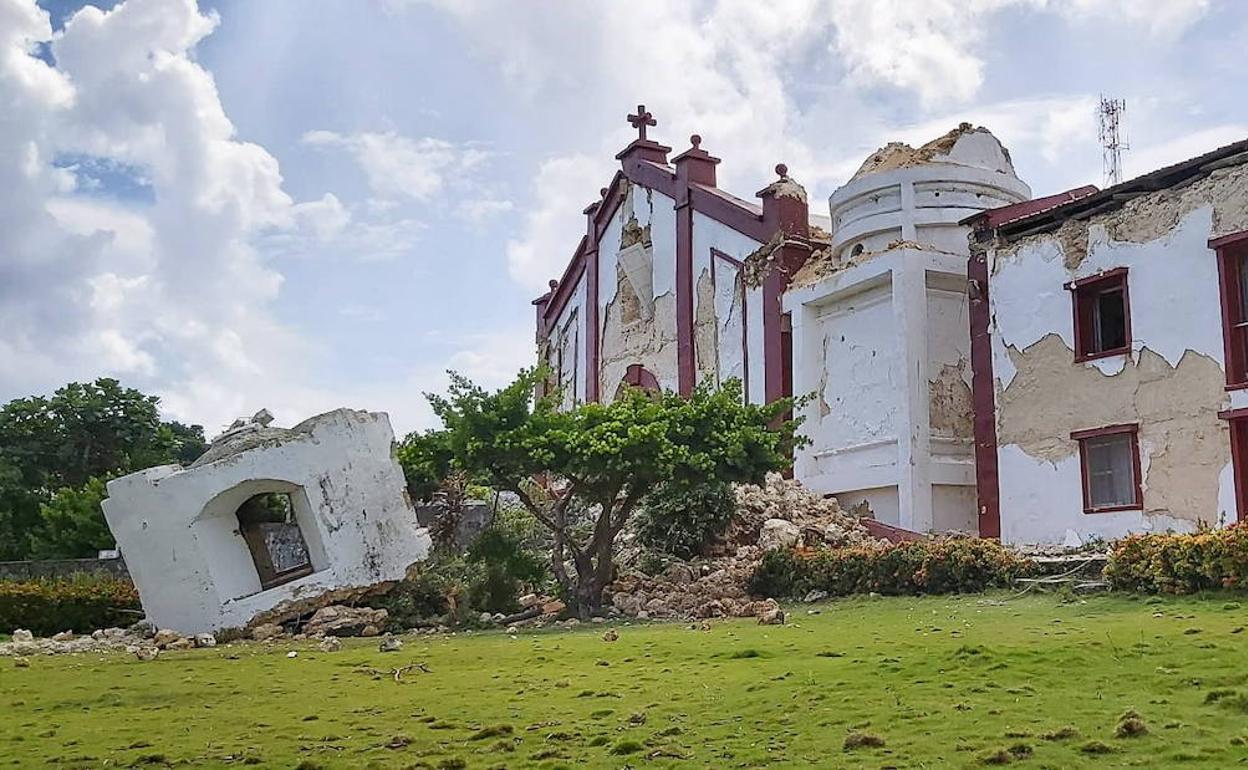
[935,566]
[1180,564]
[80,604]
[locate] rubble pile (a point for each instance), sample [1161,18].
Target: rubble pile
[783,514]
[142,639]
[779,514]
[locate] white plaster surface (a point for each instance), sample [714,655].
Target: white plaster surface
[1174,307]
[1042,502]
[178,530]
[1163,276]
[708,234]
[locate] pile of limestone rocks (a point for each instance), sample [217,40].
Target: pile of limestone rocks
[142,639]
[334,620]
[778,514]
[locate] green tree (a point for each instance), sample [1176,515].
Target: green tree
[71,524]
[83,431]
[582,472]
[426,462]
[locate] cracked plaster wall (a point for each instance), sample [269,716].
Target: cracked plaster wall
[734,332]
[639,324]
[1172,383]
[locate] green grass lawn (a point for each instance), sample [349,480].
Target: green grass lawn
[943,682]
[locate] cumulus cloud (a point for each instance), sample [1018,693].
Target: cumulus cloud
[815,83]
[172,294]
[401,166]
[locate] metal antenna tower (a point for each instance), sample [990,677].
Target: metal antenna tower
[1109,114]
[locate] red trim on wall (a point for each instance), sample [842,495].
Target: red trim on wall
[1227,240]
[983,398]
[1238,423]
[686,374]
[640,377]
[1234,343]
[592,336]
[1003,214]
[1130,429]
[691,185]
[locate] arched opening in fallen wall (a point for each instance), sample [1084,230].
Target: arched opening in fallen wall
[267,523]
[258,535]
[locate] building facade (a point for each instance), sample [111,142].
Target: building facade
[881,332]
[1109,333]
[1046,370]
[656,293]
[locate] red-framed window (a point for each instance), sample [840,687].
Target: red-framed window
[1102,308]
[1237,420]
[1233,287]
[1109,461]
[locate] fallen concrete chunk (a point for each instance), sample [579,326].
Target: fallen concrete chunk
[267,517]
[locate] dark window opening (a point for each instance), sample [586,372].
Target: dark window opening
[638,376]
[1238,421]
[1102,315]
[1233,277]
[267,523]
[1110,465]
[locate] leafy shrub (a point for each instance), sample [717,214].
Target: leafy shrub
[682,519]
[1180,564]
[81,604]
[455,589]
[505,567]
[936,566]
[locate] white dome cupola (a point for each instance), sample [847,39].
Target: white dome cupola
[917,196]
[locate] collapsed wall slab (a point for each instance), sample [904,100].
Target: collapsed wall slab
[268,515]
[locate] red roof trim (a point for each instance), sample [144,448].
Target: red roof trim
[712,202]
[1015,211]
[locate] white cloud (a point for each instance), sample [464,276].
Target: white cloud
[172,295]
[565,186]
[401,166]
[481,210]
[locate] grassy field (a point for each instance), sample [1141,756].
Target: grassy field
[938,682]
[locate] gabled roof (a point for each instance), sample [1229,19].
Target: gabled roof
[1077,206]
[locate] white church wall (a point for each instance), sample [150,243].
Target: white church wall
[1172,383]
[708,235]
[642,228]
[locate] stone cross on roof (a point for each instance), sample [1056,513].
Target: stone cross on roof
[642,119]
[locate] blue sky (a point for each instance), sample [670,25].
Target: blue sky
[304,204]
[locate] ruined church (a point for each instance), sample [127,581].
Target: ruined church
[973,356]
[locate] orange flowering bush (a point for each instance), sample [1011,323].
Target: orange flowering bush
[80,604]
[1180,564]
[932,566]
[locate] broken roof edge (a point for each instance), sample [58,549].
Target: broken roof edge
[1051,217]
[238,442]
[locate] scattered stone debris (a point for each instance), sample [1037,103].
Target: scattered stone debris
[390,644]
[330,644]
[25,644]
[779,514]
[781,505]
[266,631]
[146,653]
[339,620]
[772,616]
[21,662]
[611,635]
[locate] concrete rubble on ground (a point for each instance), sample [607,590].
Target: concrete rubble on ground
[136,639]
[780,513]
